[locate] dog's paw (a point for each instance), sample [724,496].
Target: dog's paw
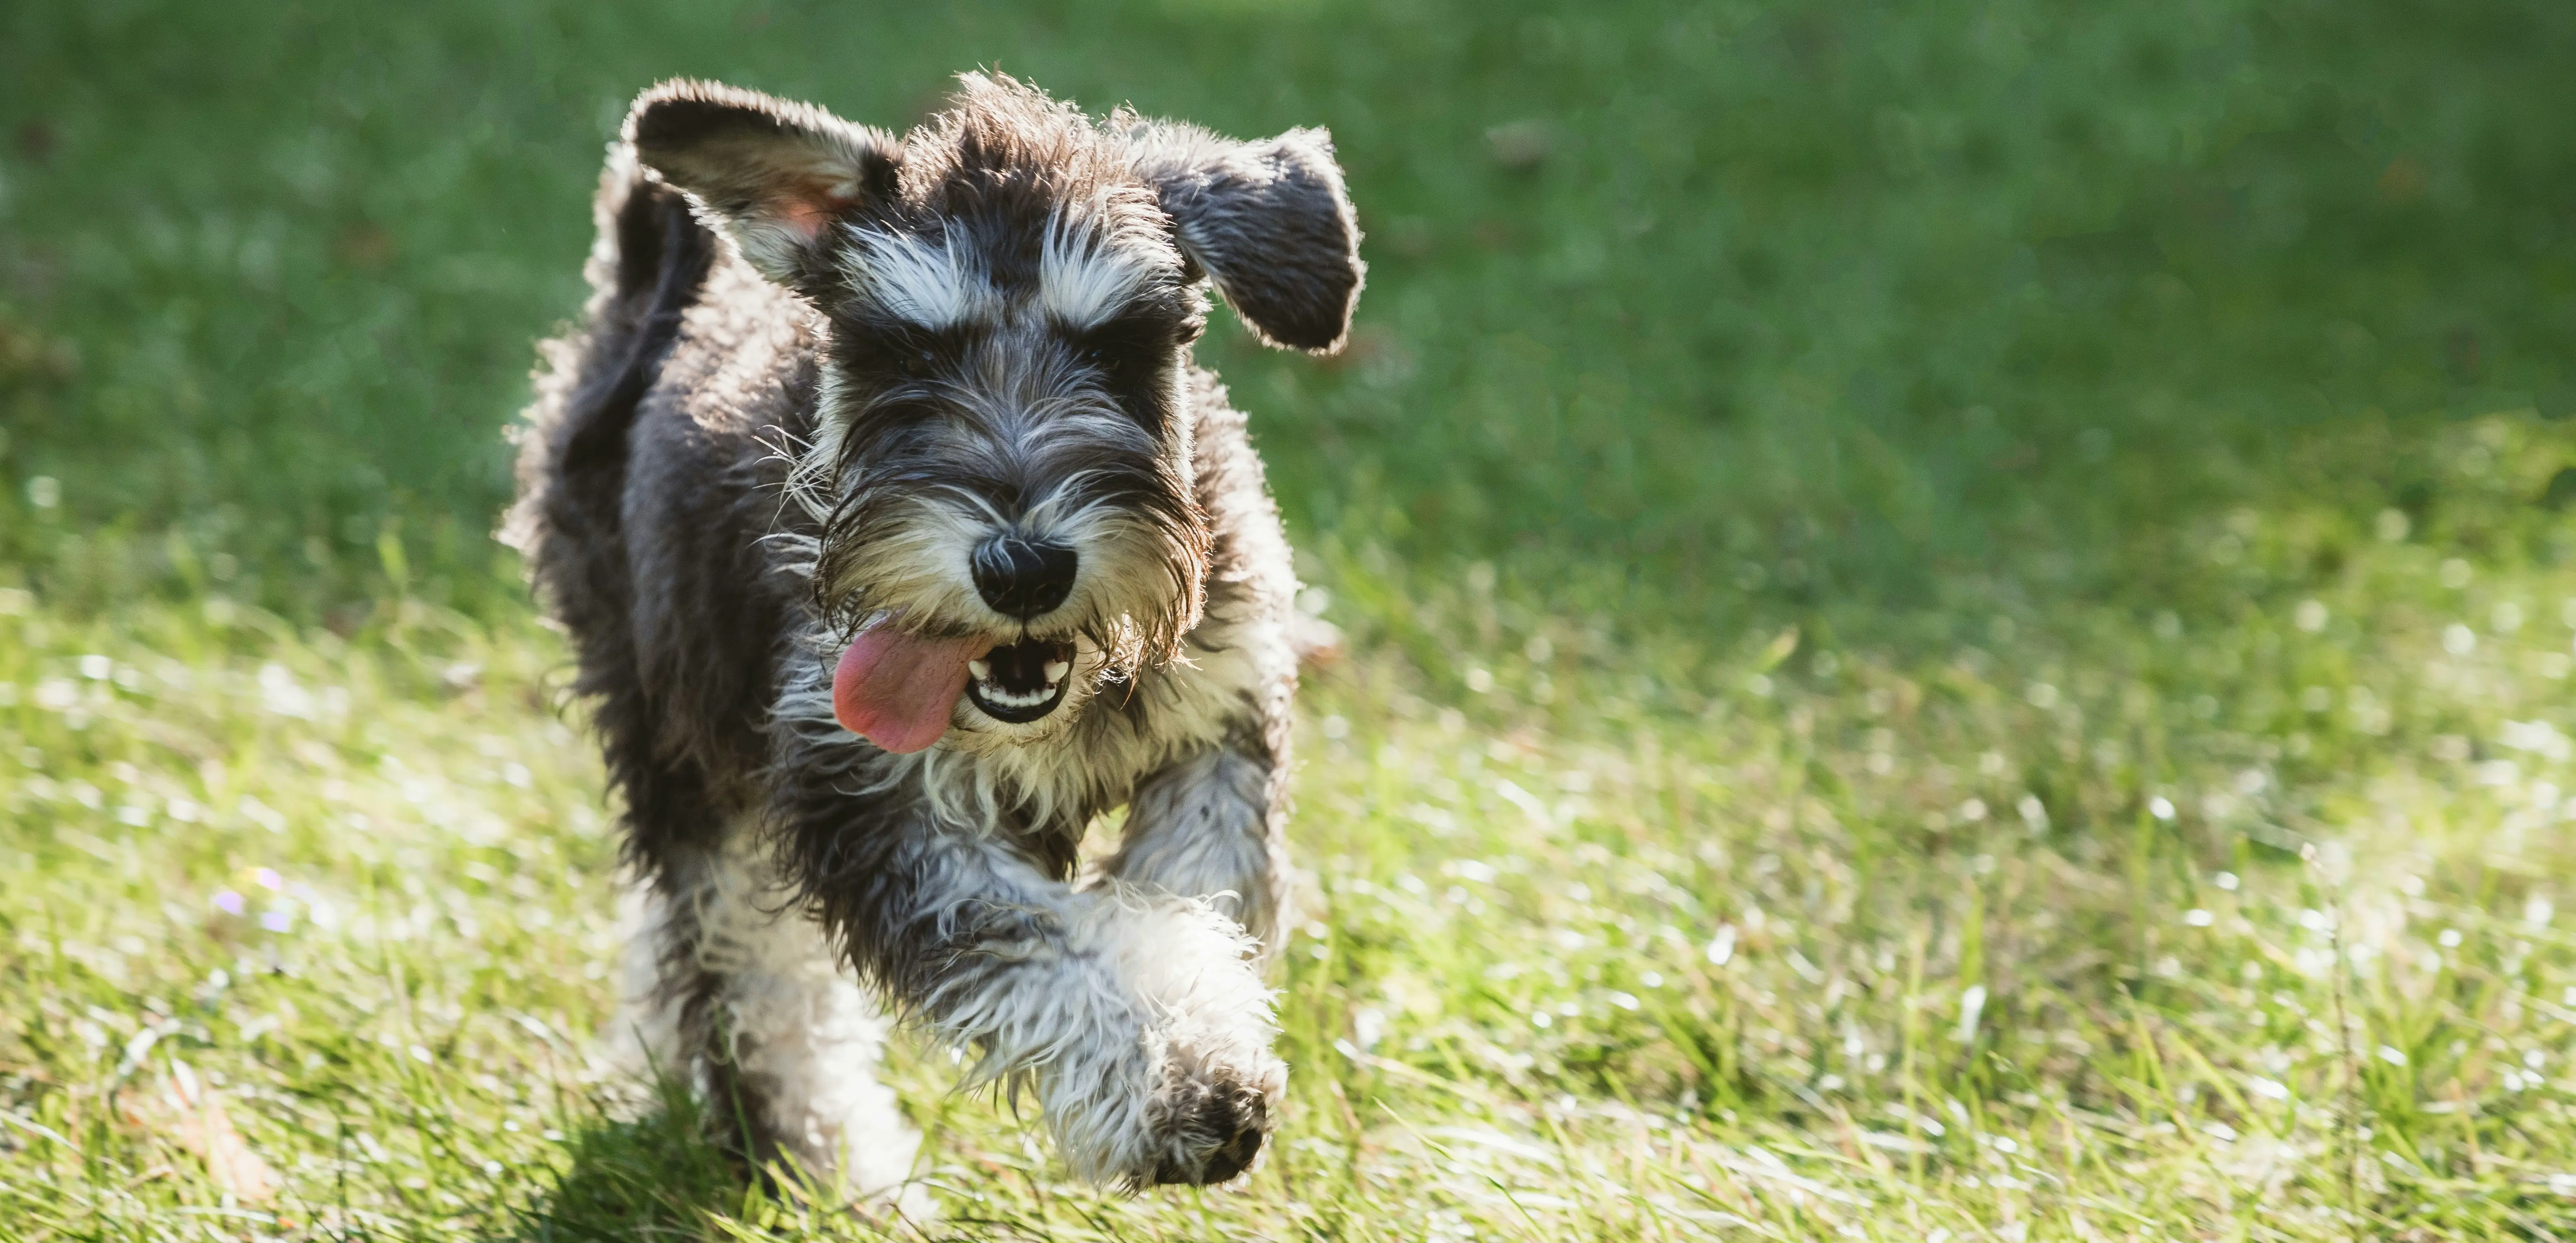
[1209,1116]
[1174,1081]
[1162,1110]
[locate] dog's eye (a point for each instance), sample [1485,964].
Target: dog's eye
[915,361]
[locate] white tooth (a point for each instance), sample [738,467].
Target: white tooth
[1055,670]
[983,670]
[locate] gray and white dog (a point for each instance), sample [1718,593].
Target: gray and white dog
[899,538]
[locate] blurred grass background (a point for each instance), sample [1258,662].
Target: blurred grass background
[1772,307]
[1839,510]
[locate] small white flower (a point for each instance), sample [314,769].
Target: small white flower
[1972,1003]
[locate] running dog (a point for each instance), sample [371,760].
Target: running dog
[899,538]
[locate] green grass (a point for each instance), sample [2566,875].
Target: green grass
[1960,621]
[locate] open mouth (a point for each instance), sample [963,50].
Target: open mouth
[1020,682]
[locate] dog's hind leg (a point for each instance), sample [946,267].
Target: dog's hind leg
[643,1041]
[748,1002]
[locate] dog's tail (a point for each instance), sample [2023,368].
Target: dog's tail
[645,271]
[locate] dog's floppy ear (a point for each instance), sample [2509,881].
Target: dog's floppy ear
[774,174]
[1268,220]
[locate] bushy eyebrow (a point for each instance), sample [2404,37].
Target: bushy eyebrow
[934,284]
[1088,269]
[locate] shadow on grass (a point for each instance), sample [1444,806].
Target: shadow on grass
[655,1176]
[666,1174]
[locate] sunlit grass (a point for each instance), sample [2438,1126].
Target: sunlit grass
[2090,925]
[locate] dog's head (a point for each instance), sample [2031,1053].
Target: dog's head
[1003,462]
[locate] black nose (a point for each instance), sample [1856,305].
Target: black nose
[1021,577]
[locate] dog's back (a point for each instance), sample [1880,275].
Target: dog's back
[649,476]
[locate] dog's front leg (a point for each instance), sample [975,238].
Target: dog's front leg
[1139,1016]
[1207,827]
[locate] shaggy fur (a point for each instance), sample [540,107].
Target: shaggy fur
[822,368]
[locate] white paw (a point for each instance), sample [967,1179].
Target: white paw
[1178,1084]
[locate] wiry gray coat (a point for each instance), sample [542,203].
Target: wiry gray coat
[822,364]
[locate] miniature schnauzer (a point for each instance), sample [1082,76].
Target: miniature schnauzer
[899,538]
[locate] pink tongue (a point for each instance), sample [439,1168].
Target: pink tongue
[897,690]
